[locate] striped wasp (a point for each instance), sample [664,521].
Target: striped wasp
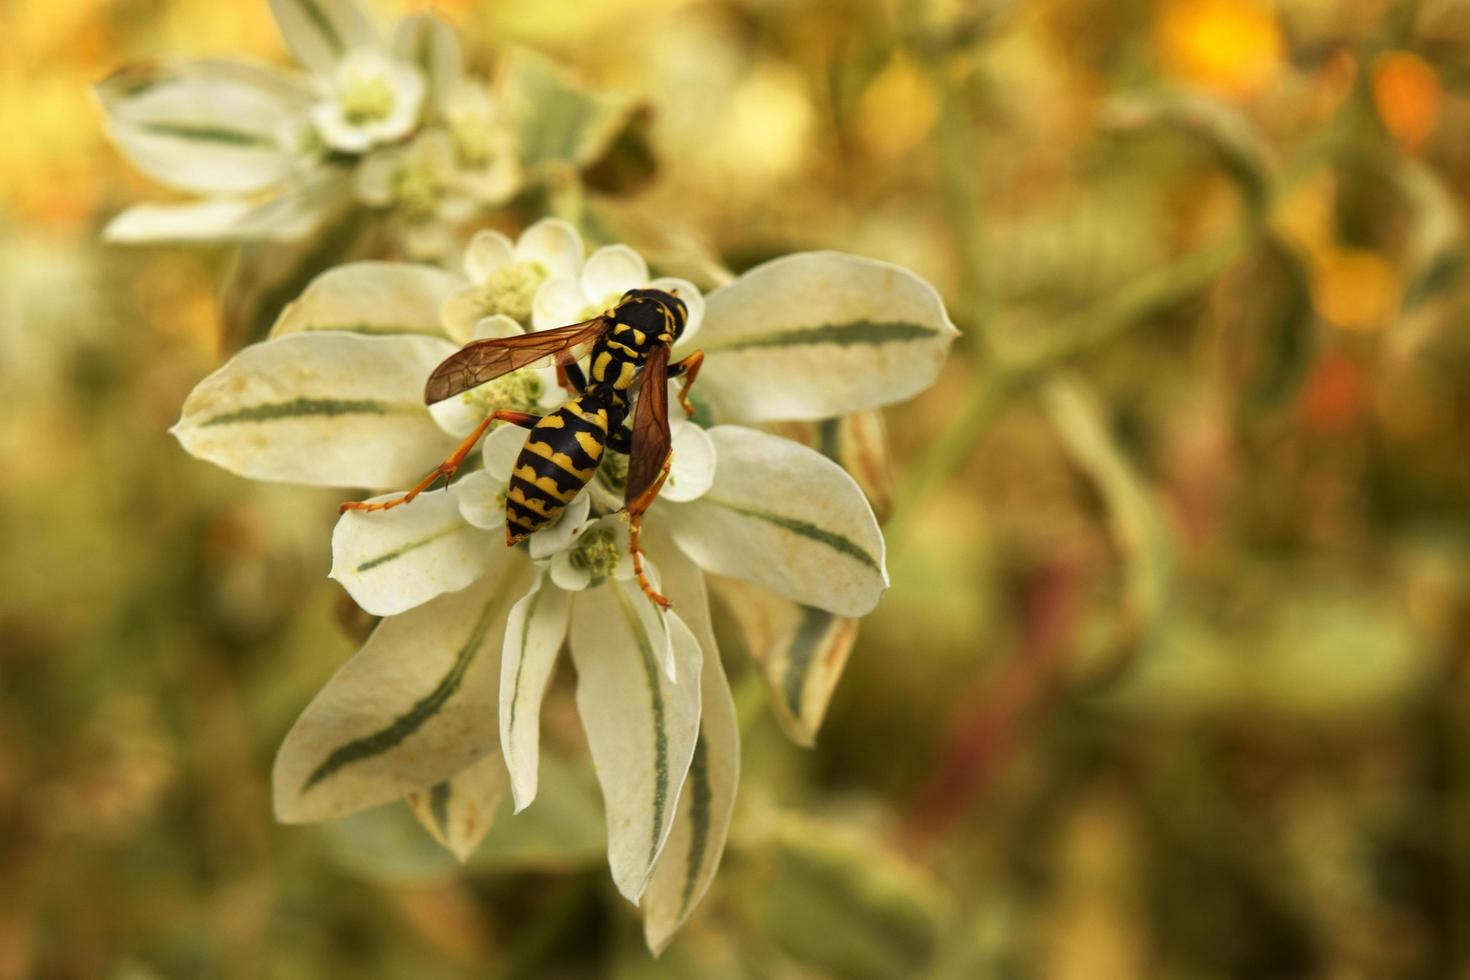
[628,370]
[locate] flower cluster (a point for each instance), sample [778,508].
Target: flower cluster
[394,125]
[456,671]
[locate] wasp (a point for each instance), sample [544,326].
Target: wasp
[627,350]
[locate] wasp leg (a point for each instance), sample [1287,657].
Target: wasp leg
[447,468]
[569,373]
[620,441]
[689,368]
[635,524]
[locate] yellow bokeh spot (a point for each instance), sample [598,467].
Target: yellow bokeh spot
[897,109]
[1231,47]
[1355,289]
[1408,96]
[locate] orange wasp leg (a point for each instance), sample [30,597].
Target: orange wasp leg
[635,524]
[689,368]
[446,469]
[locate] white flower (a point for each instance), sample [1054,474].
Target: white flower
[490,171]
[504,277]
[368,100]
[470,624]
[419,183]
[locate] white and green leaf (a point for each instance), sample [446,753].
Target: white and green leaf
[801,652]
[212,127]
[459,811]
[390,561]
[326,409]
[320,33]
[557,120]
[819,334]
[783,516]
[371,298]
[414,706]
[641,727]
[696,843]
[533,638]
[427,42]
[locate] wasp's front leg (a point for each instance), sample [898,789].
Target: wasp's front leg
[688,368]
[446,469]
[569,374]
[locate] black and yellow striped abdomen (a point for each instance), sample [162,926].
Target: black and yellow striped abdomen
[560,455]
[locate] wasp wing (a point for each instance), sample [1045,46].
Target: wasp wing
[651,440]
[486,360]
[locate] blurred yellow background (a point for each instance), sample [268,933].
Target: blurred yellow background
[1171,681]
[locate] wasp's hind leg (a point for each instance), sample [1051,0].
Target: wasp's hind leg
[446,469]
[688,368]
[635,525]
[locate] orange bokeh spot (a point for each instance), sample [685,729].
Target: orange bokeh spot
[1408,96]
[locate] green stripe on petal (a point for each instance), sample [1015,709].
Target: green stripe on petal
[321,408]
[641,727]
[806,529]
[414,707]
[458,811]
[696,841]
[321,32]
[392,734]
[395,559]
[371,298]
[818,335]
[302,407]
[785,517]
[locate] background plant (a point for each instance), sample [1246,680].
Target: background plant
[1169,682]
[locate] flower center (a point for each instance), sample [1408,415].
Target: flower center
[597,552]
[417,185]
[613,473]
[365,95]
[511,289]
[519,391]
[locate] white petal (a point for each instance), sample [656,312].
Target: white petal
[209,126]
[611,271]
[371,298]
[640,727]
[693,304]
[496,327]
[554,244]
[320,33]
[692,469]
[500,450]
[393,560]
[207,221]
[487,251]
[566,575]
[322,408]
[533,638]
[558,302]
[431,46]
[458,811]
[820,334]
[479,501]
[784,516]
[416,705]
[561,532]
[457,415]
[340,134]
[692,855]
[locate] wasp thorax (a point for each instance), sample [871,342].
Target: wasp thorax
[597,552]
